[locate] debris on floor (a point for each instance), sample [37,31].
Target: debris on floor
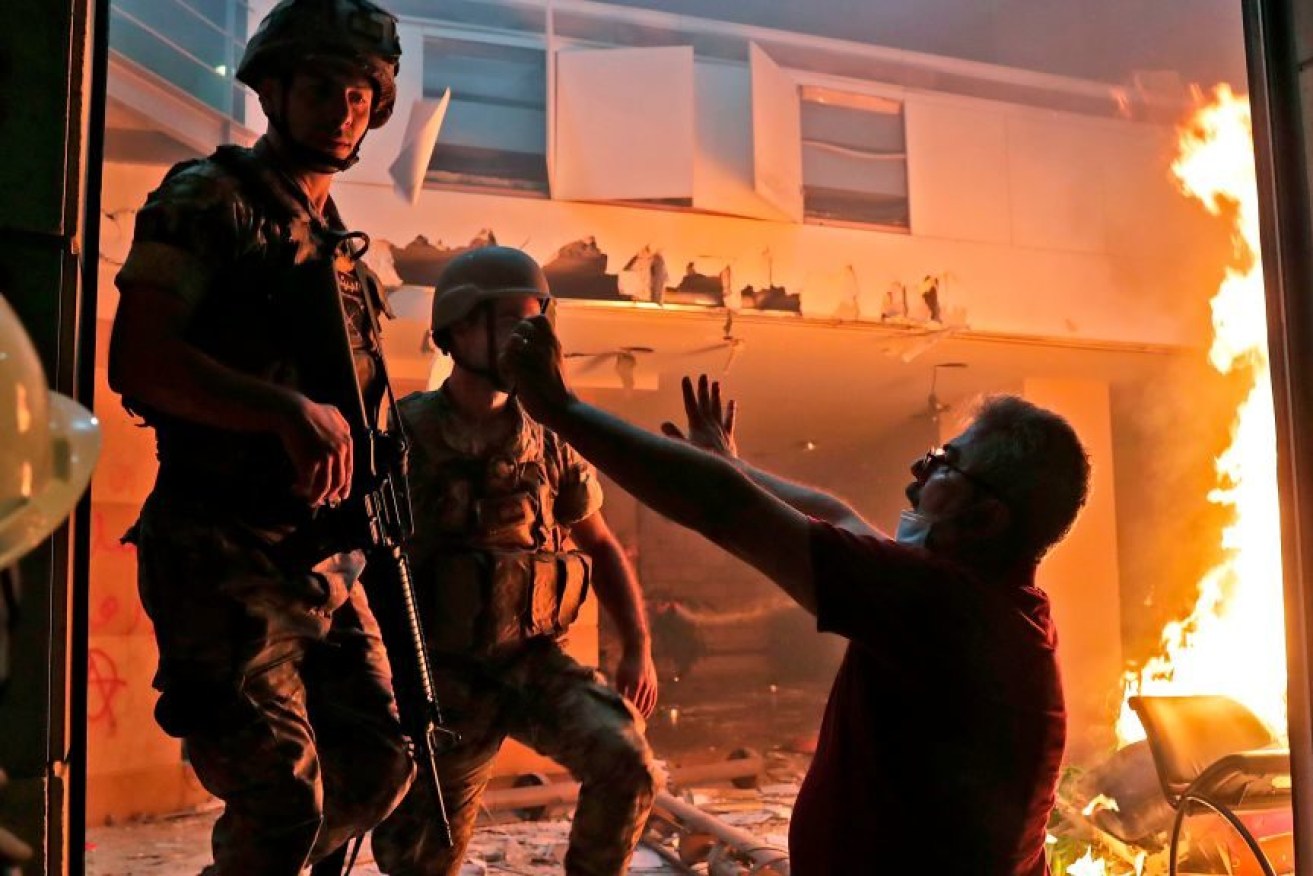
[505,845]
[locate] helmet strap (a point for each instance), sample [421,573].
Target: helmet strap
[306,156]
[489,372]
[493,376]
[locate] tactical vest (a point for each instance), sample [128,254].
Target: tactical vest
[496,568]
[246,324]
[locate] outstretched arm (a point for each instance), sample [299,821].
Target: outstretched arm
[711,427]
[618,592]
[695,489]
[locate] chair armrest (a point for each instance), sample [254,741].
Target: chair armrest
[1246,779]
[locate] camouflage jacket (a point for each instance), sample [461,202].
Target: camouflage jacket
[492,526]
[225,232]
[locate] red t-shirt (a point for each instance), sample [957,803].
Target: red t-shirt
[942,739]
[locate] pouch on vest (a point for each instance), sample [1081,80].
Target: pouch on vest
[502,620]
[453,601]
[506,521]
[542,601]
[560,584]
[576,572]
[532,594]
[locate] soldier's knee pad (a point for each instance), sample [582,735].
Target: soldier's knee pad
[626,767]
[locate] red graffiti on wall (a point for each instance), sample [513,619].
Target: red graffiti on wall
[104,684]
[107,609]
[103,541]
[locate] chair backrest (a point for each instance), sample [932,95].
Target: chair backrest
[1188,733]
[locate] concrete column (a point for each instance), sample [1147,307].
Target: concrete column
[48,221]
[1279,39]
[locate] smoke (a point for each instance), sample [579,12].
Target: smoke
[1106,40]
[1167,431]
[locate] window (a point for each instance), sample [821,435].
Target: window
[854,159]
[495,131]
[195,44]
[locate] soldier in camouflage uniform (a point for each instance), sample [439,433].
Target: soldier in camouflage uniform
[272,672]
[509,538]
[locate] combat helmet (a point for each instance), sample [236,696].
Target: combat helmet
[479,276]
[355,33]
[48,446]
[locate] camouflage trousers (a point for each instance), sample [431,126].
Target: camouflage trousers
[561,709]
[278,685]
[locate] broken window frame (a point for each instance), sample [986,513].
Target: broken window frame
[854,207]
[493,167]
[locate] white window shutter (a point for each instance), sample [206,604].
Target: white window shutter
[724,180]
[776,135]
[550,103]
[412,162]
[624,126]
[957,171]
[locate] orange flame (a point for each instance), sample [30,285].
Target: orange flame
[1233,642]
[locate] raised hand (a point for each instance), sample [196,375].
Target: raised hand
[710,425]
[531,362]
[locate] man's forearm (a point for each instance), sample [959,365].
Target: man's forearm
[691,487]
[182,381]
[619,595]
[813,503]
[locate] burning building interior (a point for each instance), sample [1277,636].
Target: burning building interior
[860,240]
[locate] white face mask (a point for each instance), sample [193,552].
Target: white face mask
[913,528]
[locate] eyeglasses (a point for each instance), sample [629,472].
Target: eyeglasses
[940,457]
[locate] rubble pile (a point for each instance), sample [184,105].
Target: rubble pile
[504,843]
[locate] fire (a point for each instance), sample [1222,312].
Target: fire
[1233,642]
[1089,865]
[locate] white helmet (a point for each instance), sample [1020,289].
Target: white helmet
[48,446]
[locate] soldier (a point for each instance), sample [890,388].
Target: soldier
[508,540]
[273,673]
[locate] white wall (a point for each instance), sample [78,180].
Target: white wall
[1080,216]
[1001,286]
[1046,223]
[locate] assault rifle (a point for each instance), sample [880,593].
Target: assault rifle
[376,517]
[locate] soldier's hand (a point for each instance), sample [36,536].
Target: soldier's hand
[636,679]
[710,425]
[318,440]
[531,362]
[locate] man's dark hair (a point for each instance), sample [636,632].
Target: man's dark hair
[1038,465]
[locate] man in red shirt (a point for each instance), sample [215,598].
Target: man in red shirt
[941,743]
